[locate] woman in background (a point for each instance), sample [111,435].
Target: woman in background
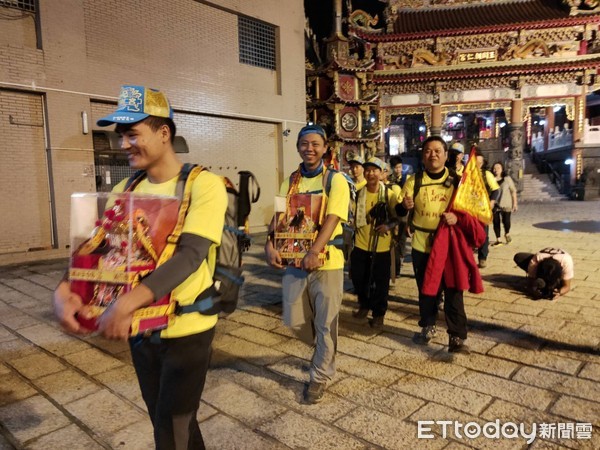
[506,204]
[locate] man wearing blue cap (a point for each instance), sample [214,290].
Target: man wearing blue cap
[371,257]
[171,364]
[312,293]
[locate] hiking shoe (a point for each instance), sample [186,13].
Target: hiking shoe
[426,335]
[482,264]
[496,244]
[508,238]
[360,313]
[457,345]
[376,322]
[314,392]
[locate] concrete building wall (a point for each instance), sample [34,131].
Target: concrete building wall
[25,199]
[231,114]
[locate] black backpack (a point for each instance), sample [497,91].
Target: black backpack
[222,296]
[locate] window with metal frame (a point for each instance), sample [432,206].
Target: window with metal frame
[23,5]
[257,43]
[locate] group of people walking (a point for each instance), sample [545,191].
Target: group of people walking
[171,363]
[386,204]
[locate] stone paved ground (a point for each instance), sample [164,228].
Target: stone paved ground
[532,362]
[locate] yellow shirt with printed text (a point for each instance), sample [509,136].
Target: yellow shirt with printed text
[432,200]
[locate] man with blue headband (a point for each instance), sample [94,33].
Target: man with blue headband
[314,268]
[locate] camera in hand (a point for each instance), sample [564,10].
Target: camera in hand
[379,213]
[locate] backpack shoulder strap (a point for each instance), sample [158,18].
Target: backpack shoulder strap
[183,177]
[189,172]
[455,177]
[134,180]
[327,179]
[418,183]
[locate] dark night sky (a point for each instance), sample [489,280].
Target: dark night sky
[320,13]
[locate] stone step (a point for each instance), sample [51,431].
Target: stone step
[537,187]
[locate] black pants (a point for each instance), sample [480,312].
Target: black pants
[399,246]
[523,259]
[484,250]
[361,268]
[454,306]
[171,374]
[505,217]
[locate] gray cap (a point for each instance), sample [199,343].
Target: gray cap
[352,158]
[458,147]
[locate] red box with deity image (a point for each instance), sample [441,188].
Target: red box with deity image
[116,240]
[297,226]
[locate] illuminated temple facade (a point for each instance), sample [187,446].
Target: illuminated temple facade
[515,78]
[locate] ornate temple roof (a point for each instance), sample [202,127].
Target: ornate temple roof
[476,18]
[497,68]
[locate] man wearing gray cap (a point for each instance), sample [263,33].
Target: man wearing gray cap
[371,257]
[357,172]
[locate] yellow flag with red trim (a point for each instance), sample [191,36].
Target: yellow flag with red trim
[471,196]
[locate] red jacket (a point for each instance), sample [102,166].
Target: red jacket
[452,256]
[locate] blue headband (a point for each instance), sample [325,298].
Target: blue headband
[312,129]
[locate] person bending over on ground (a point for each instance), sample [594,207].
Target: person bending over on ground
[549,272]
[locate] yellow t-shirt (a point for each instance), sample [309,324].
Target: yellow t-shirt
[431,202]
[361,184]
[205,218]
[397,190]
[336,204]
[363,238]
[491,180]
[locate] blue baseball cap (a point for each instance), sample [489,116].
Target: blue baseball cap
[136,103]
[312,129]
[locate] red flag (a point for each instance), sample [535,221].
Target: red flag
[451,257]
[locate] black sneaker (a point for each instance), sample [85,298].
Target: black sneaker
[457,345]
[426,335]
[360,313]
[314,392]
[376,322]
